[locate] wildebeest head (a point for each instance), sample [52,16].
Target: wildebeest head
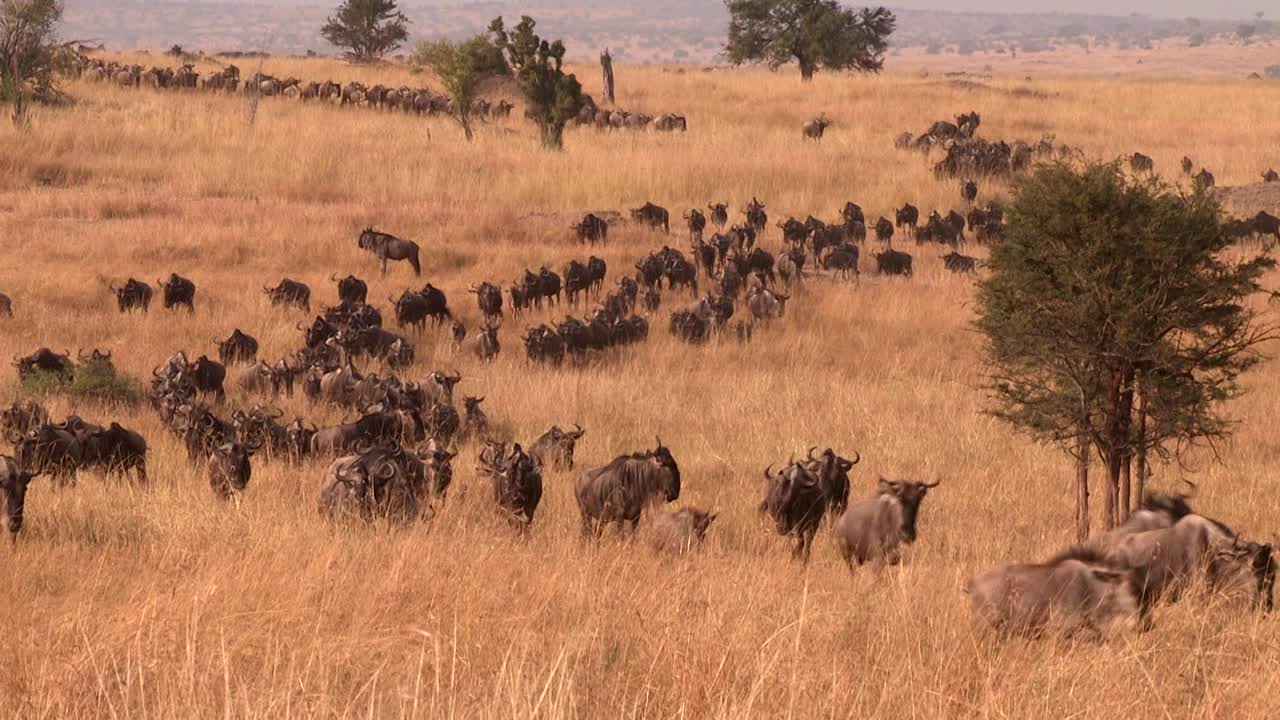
[13,494]
[662,457]
[20,418]
[909,495]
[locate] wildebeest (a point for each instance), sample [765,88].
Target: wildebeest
[680,532]
[49,450]
[719,214]
[13,495]
[884,230]
[1270,176]
[653,216]
[766,304]
[517,482]
[6,306]
[554,448]
[489,298]
[957,263]
[1140,163]
[795,502]
[757,218]
[907,217]
[475,423]
[487,345]
[376,482]
[670,123]
[842,261]
[290,292]
[592,229]
[832,472]
[351,289]
[697,222]
[178,290]
[874,529]
[813,129]
[969,191]
[1187,165]
[135,295]
[207,376]
[893,262]
[1066,595]
[1204,178]
[1264,223]
[239,347]
[21,418]
[44,360]
[389,247]
[117,450]
[620,491]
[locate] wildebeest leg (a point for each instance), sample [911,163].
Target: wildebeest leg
[384,265]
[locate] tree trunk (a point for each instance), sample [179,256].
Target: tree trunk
[19,98]
[552,136]
[1124,434]
[1141,490]
[606,66]
[465,120]
[1082,483]
[1110,451]
[807,69]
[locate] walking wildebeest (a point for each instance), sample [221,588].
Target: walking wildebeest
[653,216]
[517,482]
[1140,163]
[957,263]
[135,295]
[592,229]
[378,482]
[874,529]
[907,217]
[487,345]
[389,247]
[351,289]
[620,491]
[554,448]
[697,222]
[680,532]
[969,191]
[1068,594]
[239,347]
[719,214]
[884,230]
[290,292]
[795,501]
[117,450]
[832,472]
[178,290]
[893,262]
[489,298]
[49,450]
[13,494]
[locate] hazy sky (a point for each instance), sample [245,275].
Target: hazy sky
[1161,8]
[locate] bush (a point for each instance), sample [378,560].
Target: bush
[96,382]
[1272,72]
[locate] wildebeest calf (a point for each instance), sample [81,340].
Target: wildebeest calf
[229,470]
[680,532]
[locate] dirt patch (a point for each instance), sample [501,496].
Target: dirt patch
[1245,201]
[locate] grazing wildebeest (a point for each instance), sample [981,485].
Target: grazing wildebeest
[620,491]
[290,292]
[957,263]
[592,229]
[517,482]
[874,530]
[44,360]
[908,216]
[795,502]
[1068,594]
[884,230]
[351,289]
[719,214]
[697,222]
[554,448]
[489,298]
[6,306]
[680,532]
[21,418]
[389,247]
[135,295]
[653,216]
[813,129]
[893,262]
[843,261]
[1140,163]
[238,348]
[178,290]
[13,494]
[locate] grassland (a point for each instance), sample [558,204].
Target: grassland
[160,602]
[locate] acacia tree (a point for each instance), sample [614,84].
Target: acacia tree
[1114,322]
[461,67]
[554,96]
[368,29]
[813,33]
[27,52]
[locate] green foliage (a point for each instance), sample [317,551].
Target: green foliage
[91,382]
[27,52]
[814,33]
[461,67]
[554,97]
[1107,286]
[368,29]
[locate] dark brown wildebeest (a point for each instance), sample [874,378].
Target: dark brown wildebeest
[592,229]
[44,360]
[6,306]
[907,217]
[379,482]
[13,495]
[475,424]
[489,298]
[757,218]
[389,247]
[832,472]
[1270,176]
[1204,178]
[680,532]
[843,261]
[239,347]
[178,290]
[1140,163]
[517,482]
[813,129]
[437,469]
[620,491]
[135,295]
[554,448]
[351,289]
[208,376]
[49,450]
[957,263]
[459,331]
[290,292]
[117,450]
[719,214]
[874,530]
[1187,165]
[575,281]
[697,223]
[884,230]
[893,262]
[1067,595]
[969,191]
[795,501]
[1264,223]
[653,216]
[21,418]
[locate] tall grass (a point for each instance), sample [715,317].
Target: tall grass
[123,601]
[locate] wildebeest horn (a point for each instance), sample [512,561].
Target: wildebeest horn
[578,430]
[933,484]
[655,437]
[857,458]
[1194,488]
[333,277]
[810,454]
[768,472]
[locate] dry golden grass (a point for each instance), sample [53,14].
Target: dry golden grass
[126,602]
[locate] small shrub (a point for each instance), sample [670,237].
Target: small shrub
[96,382]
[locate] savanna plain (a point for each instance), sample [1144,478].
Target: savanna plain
[128,601]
